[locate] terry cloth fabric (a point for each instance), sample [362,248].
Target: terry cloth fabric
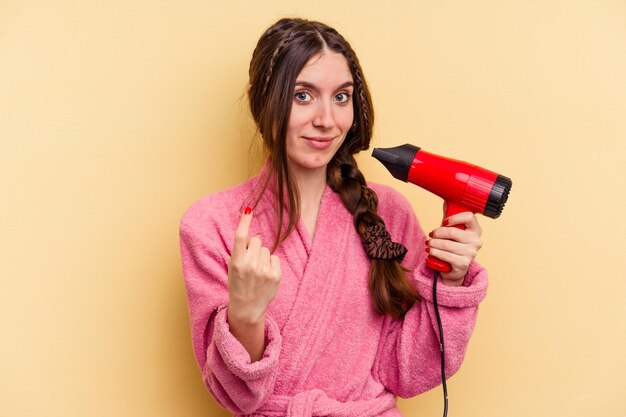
[328,353]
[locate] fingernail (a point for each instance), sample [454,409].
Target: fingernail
[430,234]
[426,242]
[427,250]
[248,210]
[445,222]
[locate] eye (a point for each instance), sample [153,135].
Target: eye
[342,97]
[303,96]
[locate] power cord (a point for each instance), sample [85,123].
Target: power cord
[443,367]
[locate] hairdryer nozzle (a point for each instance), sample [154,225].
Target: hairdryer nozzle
[397,160]
[497,197]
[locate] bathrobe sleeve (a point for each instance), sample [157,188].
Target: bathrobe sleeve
[408,357]
[235,382]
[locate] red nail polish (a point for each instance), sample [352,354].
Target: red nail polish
[430,234]
[248,210]
[427,250]
[445,222]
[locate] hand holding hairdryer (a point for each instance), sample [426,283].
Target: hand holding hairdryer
[464,187]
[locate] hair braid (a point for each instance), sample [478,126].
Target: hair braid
[279,47]
[365,103]
[389,287]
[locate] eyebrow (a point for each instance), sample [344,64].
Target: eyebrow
[313,87]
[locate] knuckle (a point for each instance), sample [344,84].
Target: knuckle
[240,235]
[454,233]
[234,262]
[274,274]
[457,234]
[465,263]
[235,267]
[241,267]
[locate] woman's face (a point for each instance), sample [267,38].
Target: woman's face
[321,113]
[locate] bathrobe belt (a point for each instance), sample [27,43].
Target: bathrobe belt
[315,403]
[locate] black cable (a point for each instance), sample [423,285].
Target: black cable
[443,363]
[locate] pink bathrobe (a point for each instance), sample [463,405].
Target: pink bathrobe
[328,353]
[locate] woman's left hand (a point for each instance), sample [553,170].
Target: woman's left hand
[456,246]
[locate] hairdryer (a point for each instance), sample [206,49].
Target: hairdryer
[463,186]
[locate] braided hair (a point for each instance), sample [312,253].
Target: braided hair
[281,53]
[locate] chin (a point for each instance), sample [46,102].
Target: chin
[311,164]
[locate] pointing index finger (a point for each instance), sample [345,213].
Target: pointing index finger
[241,234]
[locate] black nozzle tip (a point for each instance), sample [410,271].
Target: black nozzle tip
[397,160]
[498,196]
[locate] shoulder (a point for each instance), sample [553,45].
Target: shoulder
[396,212]
[390,201]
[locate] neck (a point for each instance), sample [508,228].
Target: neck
[311,185]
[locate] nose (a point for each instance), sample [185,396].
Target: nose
[324,117]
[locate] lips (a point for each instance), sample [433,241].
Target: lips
[318,142]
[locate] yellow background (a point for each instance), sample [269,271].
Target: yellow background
[115,116]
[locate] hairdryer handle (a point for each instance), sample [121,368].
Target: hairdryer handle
[450,209]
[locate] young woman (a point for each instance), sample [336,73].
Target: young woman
[307,286]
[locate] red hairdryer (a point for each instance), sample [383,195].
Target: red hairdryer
[463,186]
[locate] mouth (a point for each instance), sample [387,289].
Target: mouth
[318,142]
[319,138]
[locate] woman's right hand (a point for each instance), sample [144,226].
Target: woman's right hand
[253,277]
